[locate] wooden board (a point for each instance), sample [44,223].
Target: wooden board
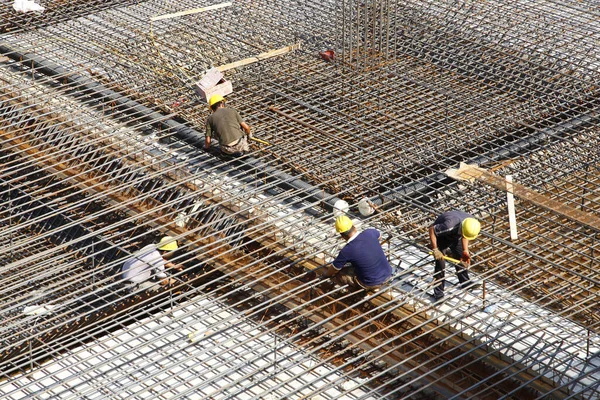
[261,56]
[473,172]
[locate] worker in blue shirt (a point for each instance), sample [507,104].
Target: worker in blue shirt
[449,235]
[361,262]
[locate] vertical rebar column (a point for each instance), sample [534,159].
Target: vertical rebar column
[365,31]
[10,222]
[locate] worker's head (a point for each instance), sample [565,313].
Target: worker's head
[216,101]
[344,226]
[167,243]
[470,228]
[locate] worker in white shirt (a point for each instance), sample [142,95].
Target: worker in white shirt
[147,267]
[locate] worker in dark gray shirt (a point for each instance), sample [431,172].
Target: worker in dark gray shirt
[449,235]
[227,126]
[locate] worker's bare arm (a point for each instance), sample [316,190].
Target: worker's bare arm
[171,265]
[206,142]
[432,238]
[466,256]
[246,128]
[167,281]
[437,254]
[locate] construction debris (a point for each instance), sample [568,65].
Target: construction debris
[213,83]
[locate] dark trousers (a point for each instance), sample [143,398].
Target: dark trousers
[452,249]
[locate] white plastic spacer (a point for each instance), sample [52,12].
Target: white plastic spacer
[340,207]
[365,208]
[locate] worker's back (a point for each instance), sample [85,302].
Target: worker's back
[143,264]
[225,123]
[364,252]
[448,224]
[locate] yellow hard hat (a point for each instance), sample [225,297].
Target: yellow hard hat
[470,228]
[214,99]
[343,224]
[167,243]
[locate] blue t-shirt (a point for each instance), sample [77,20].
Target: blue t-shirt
[367,257]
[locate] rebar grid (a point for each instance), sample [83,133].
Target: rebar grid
[459,81]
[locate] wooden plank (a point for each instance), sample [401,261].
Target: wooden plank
[472,172]
[261,56]
[510,202]
[190,12]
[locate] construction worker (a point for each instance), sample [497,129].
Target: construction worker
[227,125]
[149,264]
[361,262]
[450,235]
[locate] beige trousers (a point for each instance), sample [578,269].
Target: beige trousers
[347,276]
[238,146]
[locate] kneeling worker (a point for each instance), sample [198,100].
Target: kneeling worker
[449,235]
[368,266]
[226,124]
[149,264]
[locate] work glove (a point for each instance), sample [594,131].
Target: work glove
[437,254]
[311,275]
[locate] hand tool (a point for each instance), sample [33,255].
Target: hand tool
[260,141]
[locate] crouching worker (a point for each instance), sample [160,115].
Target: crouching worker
[361,262]
[226,124]
[146,269]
